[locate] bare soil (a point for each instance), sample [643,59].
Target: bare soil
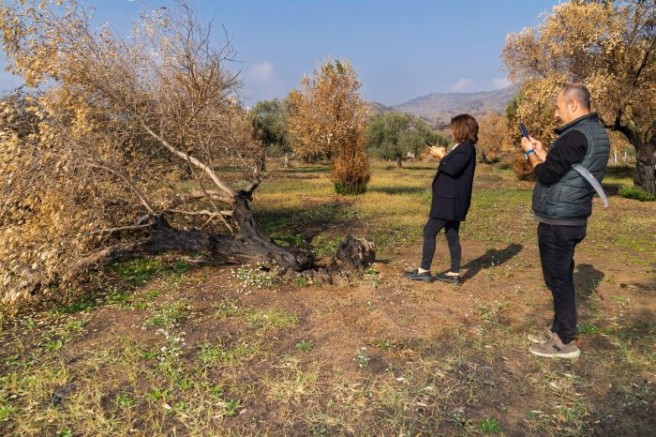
[479,331]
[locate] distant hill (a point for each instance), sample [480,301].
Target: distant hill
[375,108]
[439,108]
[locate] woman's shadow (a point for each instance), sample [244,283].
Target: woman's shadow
[493,257]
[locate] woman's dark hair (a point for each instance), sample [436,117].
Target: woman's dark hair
[465,129]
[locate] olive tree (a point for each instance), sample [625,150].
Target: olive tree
[90,161]
[392,135]
[608,45]
[327,117]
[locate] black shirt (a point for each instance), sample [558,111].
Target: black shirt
[568,149]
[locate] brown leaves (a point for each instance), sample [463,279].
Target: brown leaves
[120,123]
[327,118]
[611,47]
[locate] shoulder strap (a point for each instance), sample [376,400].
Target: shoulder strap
[592,181]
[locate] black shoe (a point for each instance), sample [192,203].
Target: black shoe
[453,280]
[416,276]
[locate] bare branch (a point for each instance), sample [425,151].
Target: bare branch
[123,228]
[121,176]
[196,162]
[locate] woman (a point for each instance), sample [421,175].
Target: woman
[452,189]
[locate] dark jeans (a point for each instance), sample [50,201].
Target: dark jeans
[557,245]
[432,228]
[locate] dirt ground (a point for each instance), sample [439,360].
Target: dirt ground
[502,293]
[388,355]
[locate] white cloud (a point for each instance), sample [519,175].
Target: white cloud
[262,83]
[465,86]
[498,84]
[262,72]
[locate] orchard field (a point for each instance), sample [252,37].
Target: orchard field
[172,346]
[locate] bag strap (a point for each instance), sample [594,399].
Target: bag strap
[592,181]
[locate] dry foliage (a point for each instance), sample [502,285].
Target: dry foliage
[611,47]
[328,118]
[494,138]
[91,164]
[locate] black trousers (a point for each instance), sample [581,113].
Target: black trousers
[557,244]
[431,229]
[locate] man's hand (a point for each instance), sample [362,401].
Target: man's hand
[437,151]
[531,143]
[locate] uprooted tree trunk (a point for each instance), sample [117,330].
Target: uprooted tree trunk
[249,243]
[245,242]
[356,253]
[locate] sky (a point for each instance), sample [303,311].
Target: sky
[401,49]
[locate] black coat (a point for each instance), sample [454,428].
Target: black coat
[452,185]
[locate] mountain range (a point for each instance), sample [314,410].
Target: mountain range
[439,108]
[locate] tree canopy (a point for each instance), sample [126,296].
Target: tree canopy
[91,159]
[608,45]
[270,124]
[327,118]
[392,135]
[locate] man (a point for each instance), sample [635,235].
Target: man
[562,202]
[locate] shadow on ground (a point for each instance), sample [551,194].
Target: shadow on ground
[612,189]
[412,167]
[398,190]
[287,224]
[493,257]
[587,280]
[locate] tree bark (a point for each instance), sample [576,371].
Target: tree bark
[253,242]
[250,243]
[645,171]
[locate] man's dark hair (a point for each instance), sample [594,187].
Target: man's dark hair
[577,92]
[465,129]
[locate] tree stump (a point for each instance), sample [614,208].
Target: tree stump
[357,253]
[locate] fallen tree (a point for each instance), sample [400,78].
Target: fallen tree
[121,147]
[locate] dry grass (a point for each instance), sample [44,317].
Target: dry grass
[165,349]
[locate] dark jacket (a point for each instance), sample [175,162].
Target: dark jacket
[452,184]
[569,200]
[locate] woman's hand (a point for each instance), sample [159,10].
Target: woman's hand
[437,151]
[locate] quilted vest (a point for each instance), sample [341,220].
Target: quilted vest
[571,196]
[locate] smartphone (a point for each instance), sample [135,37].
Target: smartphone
[523,130]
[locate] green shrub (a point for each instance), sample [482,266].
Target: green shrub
[637,193]
[348,189]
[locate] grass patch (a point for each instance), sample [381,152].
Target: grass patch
[169,315]
[137,272]
[304,345]
[490,426]
[637,193]
[258,319]
[376,355]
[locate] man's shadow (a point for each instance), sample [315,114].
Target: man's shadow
[586,280]
[493,257]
